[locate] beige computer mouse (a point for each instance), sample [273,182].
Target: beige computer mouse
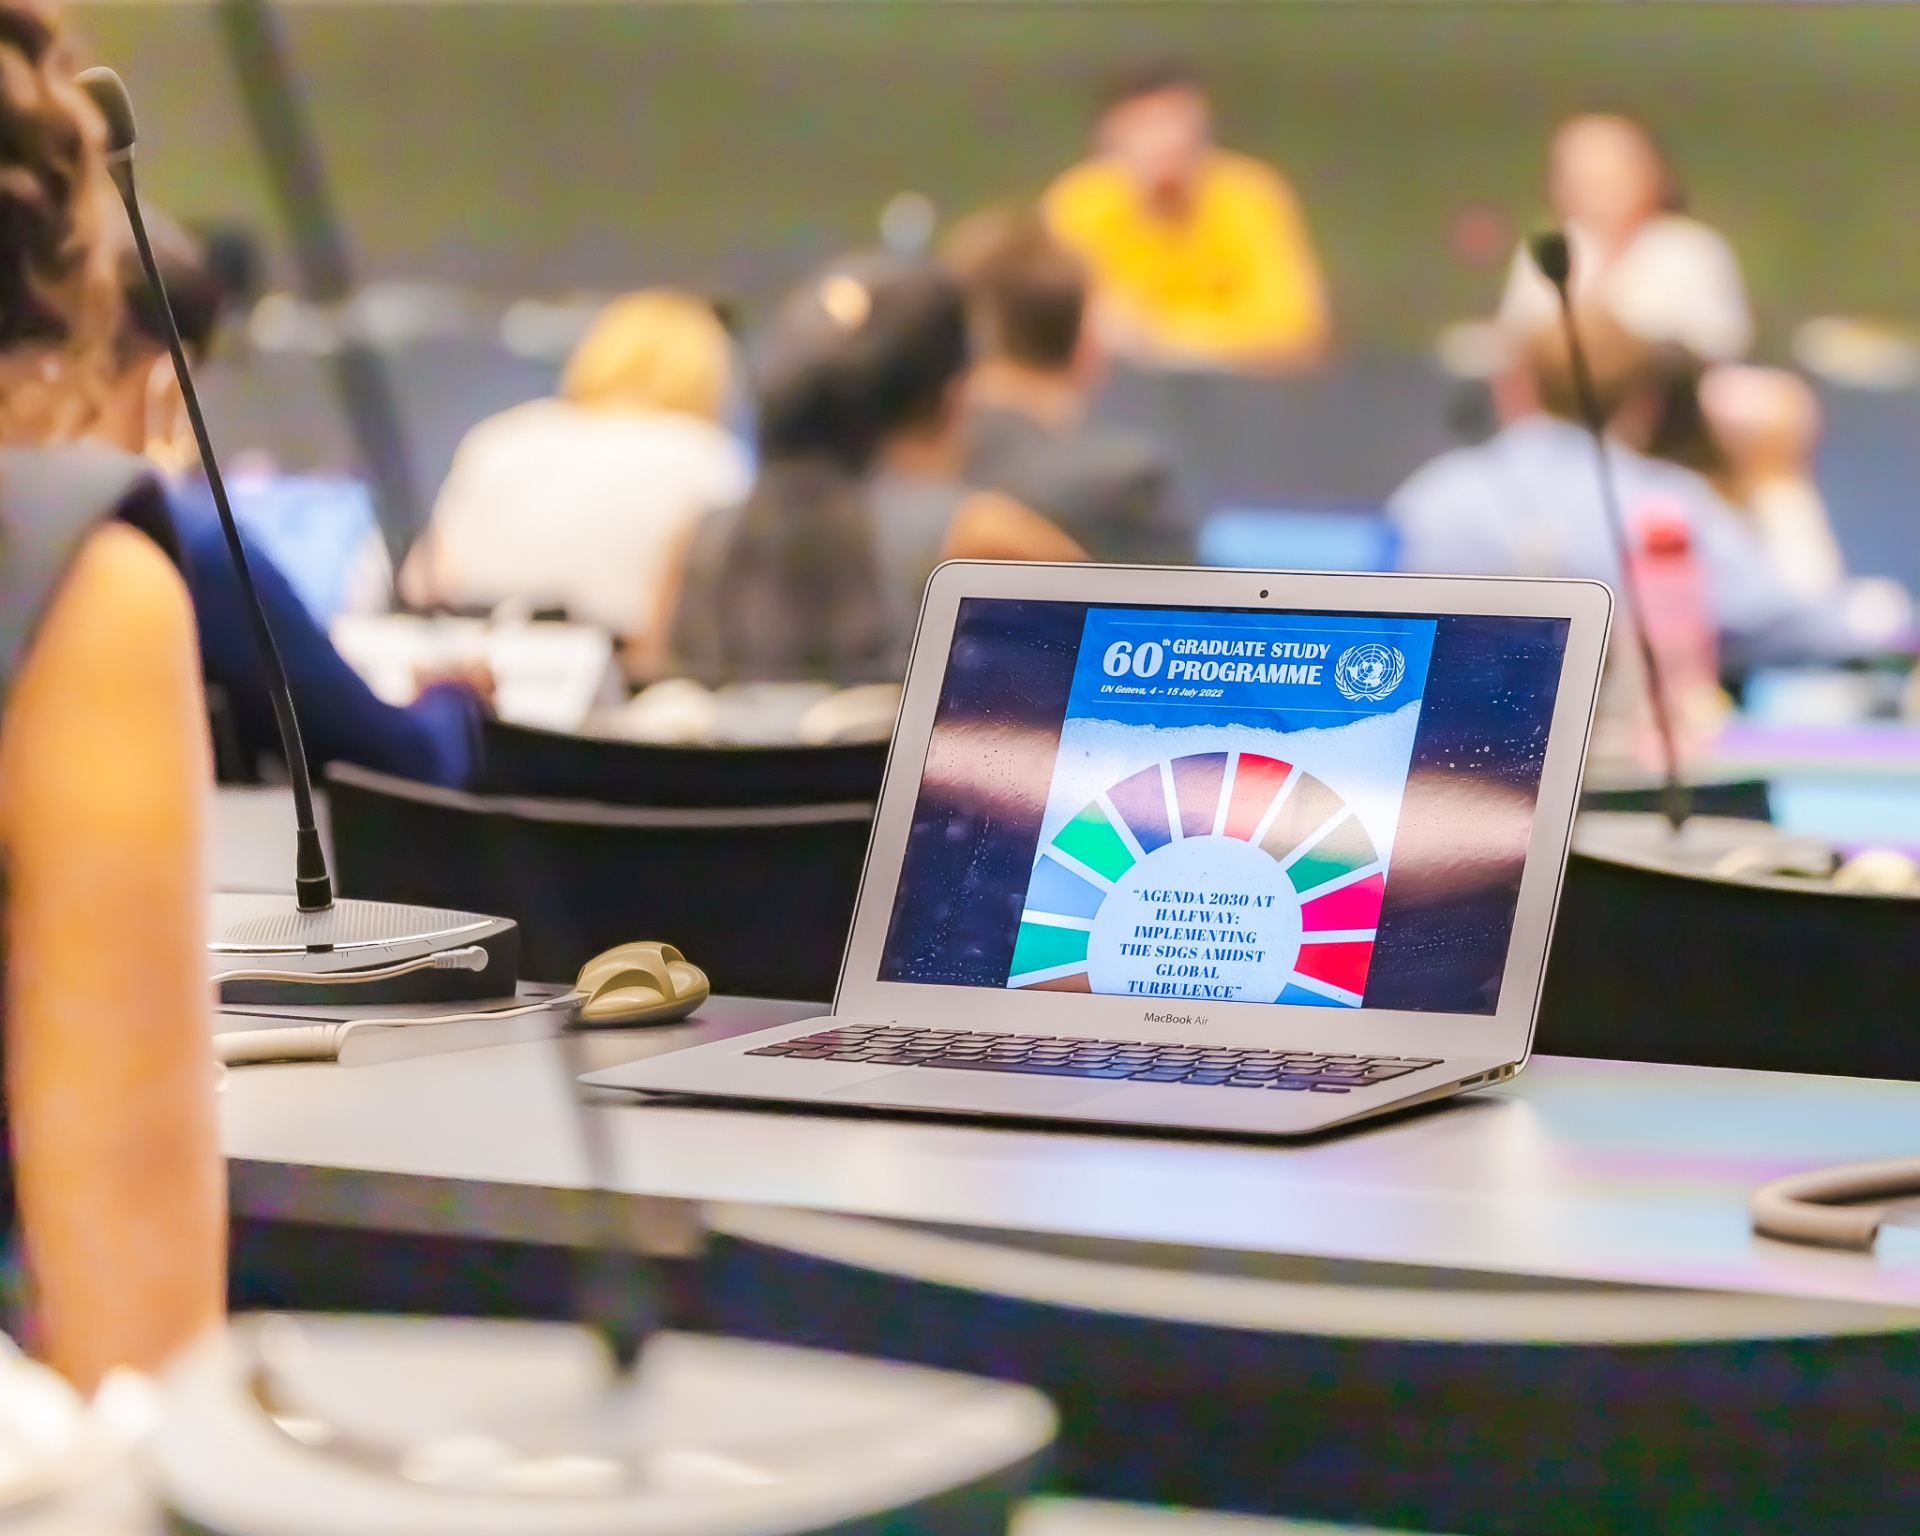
[642,983]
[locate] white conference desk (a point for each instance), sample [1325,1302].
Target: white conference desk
[1623,1173]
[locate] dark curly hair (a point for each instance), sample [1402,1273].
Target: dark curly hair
[834,384]
[59,296]
[867,349]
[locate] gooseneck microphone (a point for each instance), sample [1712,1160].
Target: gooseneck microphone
[1552,255]
[385,945]
[306,949]
[313,888]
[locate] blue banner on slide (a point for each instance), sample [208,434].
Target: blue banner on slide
[1288,671]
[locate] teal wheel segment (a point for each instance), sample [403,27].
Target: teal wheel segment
[1091,840]
[1042,947]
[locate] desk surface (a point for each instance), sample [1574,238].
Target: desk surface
[1591,1170]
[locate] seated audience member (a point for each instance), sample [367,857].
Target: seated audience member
[1037,365]
[1768,423]
[434,740]
[1200,257]
[819,573]
[320,530]
[1752,433]
[1637,257]
[110,1174]
[576,502]
[1527,502]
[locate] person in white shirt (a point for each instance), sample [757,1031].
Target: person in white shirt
[577,502]
[1664,277]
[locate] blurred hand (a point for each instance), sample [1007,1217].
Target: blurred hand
[990,526]
[476,675]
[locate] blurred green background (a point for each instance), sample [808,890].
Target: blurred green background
[529,148]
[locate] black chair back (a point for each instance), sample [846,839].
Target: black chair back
[1653,964]
[761,898]
[521,760]
[1739,799]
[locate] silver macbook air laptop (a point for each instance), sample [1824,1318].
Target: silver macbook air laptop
[1241,851]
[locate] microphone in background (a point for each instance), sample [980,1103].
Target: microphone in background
[313,887]
[1552,255]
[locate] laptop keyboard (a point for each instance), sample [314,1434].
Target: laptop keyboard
[1144,1061]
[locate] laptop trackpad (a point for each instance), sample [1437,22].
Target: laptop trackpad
[955,1090]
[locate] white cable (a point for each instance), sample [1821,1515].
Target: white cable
[1821,1208]
[322,1042]
[471,957]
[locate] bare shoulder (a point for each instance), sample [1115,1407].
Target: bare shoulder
[117,643]
[121,595]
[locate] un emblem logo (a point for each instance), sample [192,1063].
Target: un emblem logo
[1369,671]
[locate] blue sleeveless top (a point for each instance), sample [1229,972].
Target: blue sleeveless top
[51,499]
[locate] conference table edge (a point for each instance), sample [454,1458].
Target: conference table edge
[556,1206]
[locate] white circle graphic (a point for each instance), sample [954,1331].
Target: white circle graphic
[1210,919]
[1370,671]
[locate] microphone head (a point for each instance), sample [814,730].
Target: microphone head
[1552,257]
[109,93]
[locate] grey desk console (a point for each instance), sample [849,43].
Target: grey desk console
[1584,1170]
[1538,1308]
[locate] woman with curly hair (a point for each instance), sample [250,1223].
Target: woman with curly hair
[110,1175]
[819,573]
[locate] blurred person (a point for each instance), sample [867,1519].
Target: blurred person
[433,740]
[112,1183]
[1662,416]
[326,524]
[1527,503]
[1637,256]
[1027,399]
[1767,422]
[1752,432]
[144,409]
[820,572]
[1200,257]
[577,502]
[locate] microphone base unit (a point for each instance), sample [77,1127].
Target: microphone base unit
[252,933]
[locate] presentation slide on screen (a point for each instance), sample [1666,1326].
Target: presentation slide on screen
[1221,818]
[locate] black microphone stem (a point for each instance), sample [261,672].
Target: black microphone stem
[312,886]
[616,1287]
[1676,799]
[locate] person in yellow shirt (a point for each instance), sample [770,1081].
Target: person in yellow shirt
[1200,256]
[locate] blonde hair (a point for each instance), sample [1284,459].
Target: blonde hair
[656,350]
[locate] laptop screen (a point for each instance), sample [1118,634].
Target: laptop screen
[1225,805]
